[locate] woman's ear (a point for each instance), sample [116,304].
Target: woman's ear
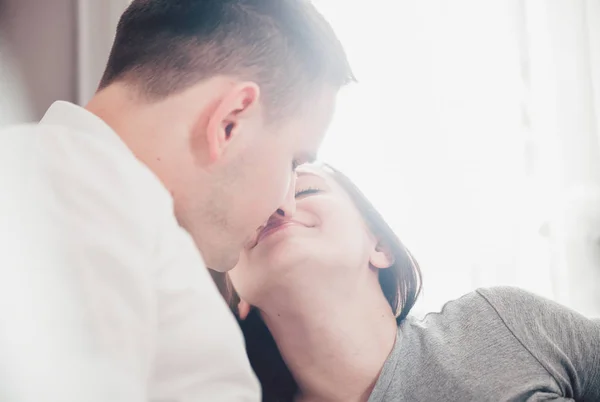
[381,256]
[243,309]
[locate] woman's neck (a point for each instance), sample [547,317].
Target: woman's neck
[335,351]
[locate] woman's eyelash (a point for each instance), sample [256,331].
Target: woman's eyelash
[307,191]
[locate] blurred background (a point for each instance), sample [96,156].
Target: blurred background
[474,127]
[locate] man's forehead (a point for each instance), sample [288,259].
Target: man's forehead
[315,119]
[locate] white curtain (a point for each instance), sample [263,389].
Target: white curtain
[97,22]
[474,129]
[565,94]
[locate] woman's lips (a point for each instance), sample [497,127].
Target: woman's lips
[276,227]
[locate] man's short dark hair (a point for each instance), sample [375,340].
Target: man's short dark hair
[285,46]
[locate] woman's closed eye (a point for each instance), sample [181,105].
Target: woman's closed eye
[307,191]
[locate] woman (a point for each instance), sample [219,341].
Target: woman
[334,286]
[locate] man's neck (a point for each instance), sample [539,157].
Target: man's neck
[335,352]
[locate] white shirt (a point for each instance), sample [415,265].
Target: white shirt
[103,296]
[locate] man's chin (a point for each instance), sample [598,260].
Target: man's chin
[221,270]
[220,279]
[222,264]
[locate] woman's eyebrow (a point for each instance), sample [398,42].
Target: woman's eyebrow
[312,177]
[307,173]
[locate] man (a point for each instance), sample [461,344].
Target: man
[205,109]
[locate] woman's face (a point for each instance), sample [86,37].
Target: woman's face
[323,247]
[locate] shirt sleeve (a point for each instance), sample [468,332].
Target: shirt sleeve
[78,303]
[564,342]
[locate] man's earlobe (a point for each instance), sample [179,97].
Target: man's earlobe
[218,134]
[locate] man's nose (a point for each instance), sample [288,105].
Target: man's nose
[288,207]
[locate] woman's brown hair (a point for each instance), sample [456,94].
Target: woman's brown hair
[400,283]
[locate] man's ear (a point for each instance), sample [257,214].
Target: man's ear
[229,118]
[243,309]
[381,256]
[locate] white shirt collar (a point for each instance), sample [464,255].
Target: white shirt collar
[75,117]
